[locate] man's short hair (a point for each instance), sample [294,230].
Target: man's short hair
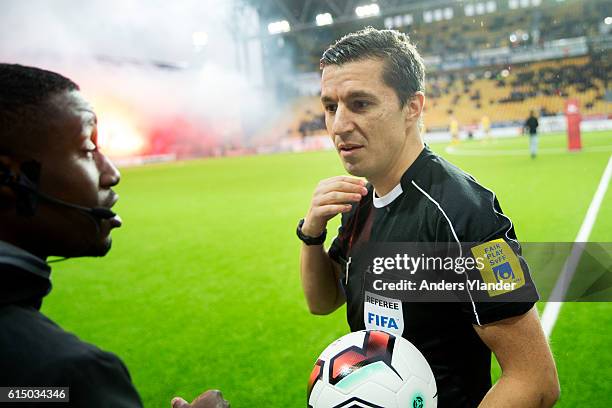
[404,70]
[25,108]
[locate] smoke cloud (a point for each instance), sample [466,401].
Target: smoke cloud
[163,76]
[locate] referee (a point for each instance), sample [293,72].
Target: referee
[372,92]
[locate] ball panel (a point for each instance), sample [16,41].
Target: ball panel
[417,393]
[377,346]
[315,376]
[378,373]
[344,342]
[366,395]
[315,393]
[413,359]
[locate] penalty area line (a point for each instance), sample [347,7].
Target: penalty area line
[552,309]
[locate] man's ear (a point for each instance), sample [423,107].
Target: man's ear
[414,107]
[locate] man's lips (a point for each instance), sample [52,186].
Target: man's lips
[349,149]
[116,221]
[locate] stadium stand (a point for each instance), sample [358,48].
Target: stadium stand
[469,95]
[505,93]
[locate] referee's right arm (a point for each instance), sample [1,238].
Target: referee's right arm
[319,273]
[320,280]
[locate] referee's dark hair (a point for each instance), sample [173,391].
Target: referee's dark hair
[25,106]
[404,70]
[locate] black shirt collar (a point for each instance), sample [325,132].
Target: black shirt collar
[421,161]
[24,278]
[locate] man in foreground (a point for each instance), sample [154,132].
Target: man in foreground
[372,90]
[55,200]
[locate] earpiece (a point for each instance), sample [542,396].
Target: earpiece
[24,185]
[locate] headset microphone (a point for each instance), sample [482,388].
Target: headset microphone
[103,213]
[98,212]
[26,187]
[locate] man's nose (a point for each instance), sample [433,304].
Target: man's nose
[343,122]
[109,174]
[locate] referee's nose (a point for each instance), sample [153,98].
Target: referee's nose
[343,124]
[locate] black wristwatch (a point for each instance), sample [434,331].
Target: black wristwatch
[310,240]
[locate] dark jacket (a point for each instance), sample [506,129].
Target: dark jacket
[532,124]
[36,352]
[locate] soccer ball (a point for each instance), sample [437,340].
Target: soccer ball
[374,369]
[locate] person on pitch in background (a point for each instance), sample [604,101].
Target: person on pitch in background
[454,130]
[372,88]
[531,125]
[55,200]
[485,124]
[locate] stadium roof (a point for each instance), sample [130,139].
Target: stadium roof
[302,13]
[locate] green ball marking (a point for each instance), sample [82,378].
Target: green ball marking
[418,401]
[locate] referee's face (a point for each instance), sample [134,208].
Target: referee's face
[364,118]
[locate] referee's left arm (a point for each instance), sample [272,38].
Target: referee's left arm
[529,376]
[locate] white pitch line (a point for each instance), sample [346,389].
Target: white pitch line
[552,309]
[483,151]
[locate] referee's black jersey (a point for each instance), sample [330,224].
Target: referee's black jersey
[435,202]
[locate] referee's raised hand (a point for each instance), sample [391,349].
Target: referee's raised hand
[331,197]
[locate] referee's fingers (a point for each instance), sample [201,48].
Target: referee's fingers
[329,211]
[347,187]
[341,186]
[337,197]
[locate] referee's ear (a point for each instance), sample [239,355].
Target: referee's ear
[413,108]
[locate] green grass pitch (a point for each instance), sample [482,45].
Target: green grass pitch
[201,289]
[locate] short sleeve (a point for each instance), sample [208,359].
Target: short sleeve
[502,270]
[477,221]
